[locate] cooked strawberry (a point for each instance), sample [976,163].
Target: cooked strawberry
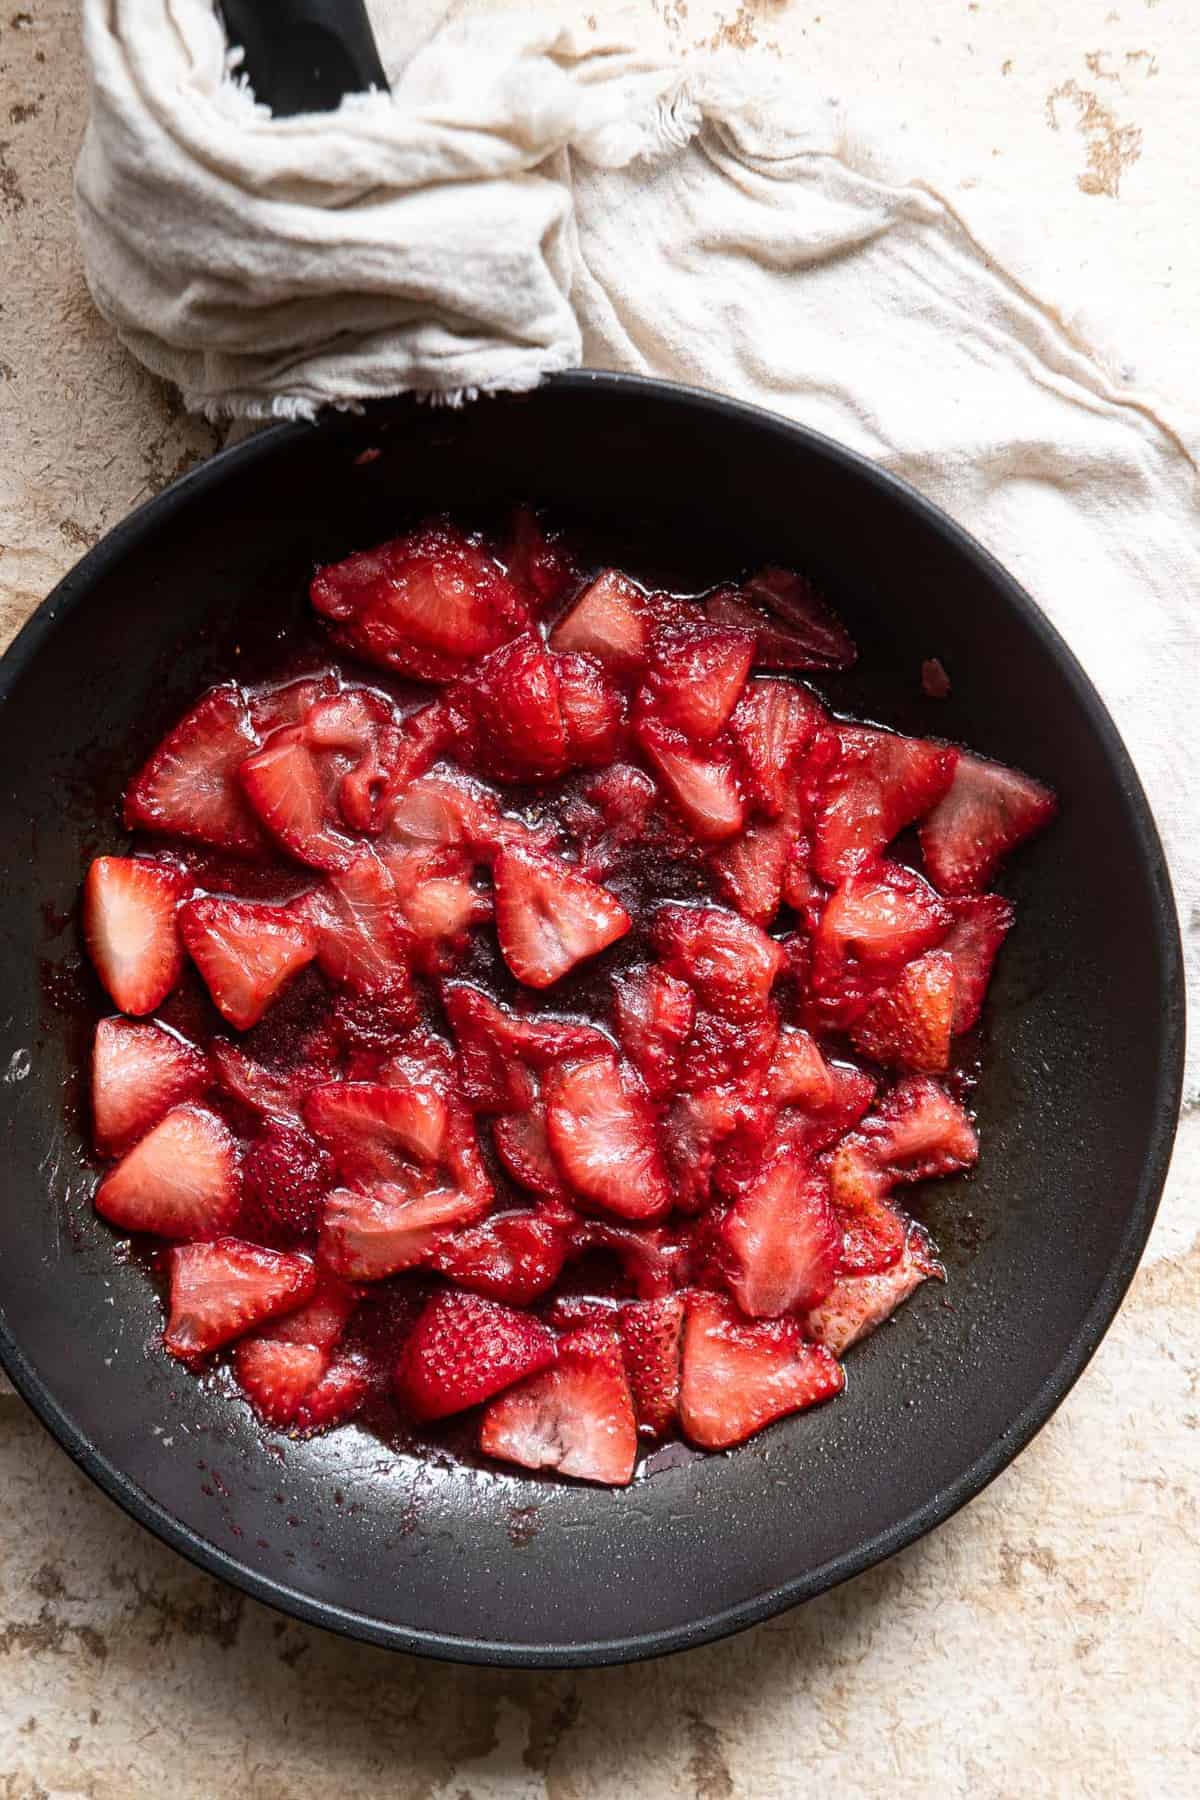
[907,1024]
[575,1312]
[283,784]
[724,1051]
[981,924]
[918,1132]
[278,1366]
[286,1174]
[750,869]
[798,1074]
[188,786]
[652,1257]
[808,620]
[245,951]
[702,783]
[356,736]
[492,1073]
[772,725]
[129,924]
[801,889]
[524,1148]
[986,812]
[651,1336]
[264,1092]
[179,1181]
[738,1377]
[601,1130]
[782,1238]
[607,621]
[390,1226]
[655,1013]
[852,1093]
[362,940]
[613,818]
[422,736]
[463,1349]
[426,604]
[515,1257]
[697,673]
[370,1126]
[549,917]
[221,1290]
[138,1073]
[730,963]
[867,785]
[591,709]
[439,906]
[875,921]
[338,1395]
[513,700]
[576,1417]
[287,702]
[856,1304]
[537,559]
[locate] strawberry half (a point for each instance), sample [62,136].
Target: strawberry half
[730,963]
[608,621]
[576,1417]
[867,785]
[651,1340]
[179,1181]
[188,787]
[856,1304]
[702,782]
[129,925]
[697,673]
[772,726]
[907,1024]
[516,1257]
[426,604]
[602,1133]
[738,1377]
[463,1349]
[549,917]
[981,924]
[377,1231]
[138,1073]
[223,1289]
[655,1013]
[918,1132]
[514,702]
[245,952]
[987,811]
[782,1239]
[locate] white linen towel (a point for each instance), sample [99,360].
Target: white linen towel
[534,194]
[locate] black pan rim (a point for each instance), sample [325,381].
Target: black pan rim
[1169,1006]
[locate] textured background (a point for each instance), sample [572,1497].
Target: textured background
[1044,1642]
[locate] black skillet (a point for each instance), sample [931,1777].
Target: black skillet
[1077,1105]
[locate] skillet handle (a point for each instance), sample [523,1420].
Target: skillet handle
[305,55]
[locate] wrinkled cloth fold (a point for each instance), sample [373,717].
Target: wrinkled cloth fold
[534,193]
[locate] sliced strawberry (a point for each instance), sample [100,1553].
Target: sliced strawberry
[981,924]
[338,1395]
[355,734]
[591,710]
[287,702]
[987,811]
[607,621]
[370,1126]
[549,917]
[655,1013]
[772,726]
[750,870]
[724,1051]
[138,1073]
[652,1257]
[439,905]
[188,786]
[874,922]
[730,963]
[179,1181]
[426,604]
[576,1417]
[907,1024]
[782,1238]
[795,608]
[515,1257]
[738,1377]
[856,1304]
[286,1174]
[702,783]
[867,786]
[265,1093]
[223,1289]
[492,1073]
[463,1349]
[651,1338]
[537,559]
[129,924]
[798,1074]
[368,1234]
[613,819]
[421,737]
[283,784]
[245,952]
[278,1366]
[801,889]
[853,1090]
[918,1132]
[513,700]
[697,673]
[602,1133]
[362,940]
[524,1148]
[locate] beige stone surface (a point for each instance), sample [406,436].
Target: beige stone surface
[1044,1642]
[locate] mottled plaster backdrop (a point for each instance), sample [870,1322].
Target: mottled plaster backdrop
[1044,1642]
